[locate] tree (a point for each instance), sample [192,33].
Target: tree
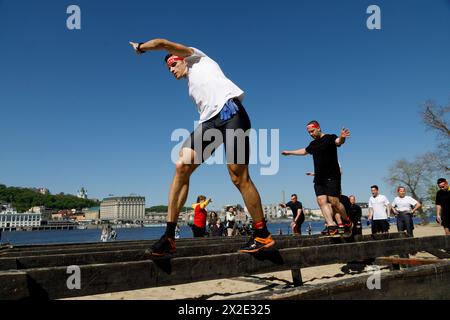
[415,176]
[436,119]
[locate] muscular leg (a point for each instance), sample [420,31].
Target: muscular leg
[326,209]
[338,207]
[185,166]
[240,176]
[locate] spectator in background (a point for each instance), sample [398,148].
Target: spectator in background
[212,219]
[379,209]
[297,214]
[177,231]
[404,208]
[443,205]
[355,213]
[309,229]
[231,221]
[217,230]
[113,234]
[104,235]
[200,213]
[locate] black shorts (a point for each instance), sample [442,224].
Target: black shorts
[329,187]
[234,133]
[380,226]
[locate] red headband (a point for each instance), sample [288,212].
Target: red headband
[172,59]
[313,126]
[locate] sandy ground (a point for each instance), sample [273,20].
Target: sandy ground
[237,288]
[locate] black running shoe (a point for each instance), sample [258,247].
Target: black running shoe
[348,229]
[163,246]
[256,244]
[341,229]
[333,231]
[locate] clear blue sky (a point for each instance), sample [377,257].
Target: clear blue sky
[79,108]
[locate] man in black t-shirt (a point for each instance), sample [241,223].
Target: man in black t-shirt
[355,214]
[327,175]
[297,214]
[443,205]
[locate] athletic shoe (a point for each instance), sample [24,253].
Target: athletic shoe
[341,229]
[324,231]
[333,231]
[256,244]
[163,246]
[348,228]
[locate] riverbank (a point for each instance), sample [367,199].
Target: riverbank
[236,288]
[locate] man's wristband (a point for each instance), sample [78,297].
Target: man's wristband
[138,48]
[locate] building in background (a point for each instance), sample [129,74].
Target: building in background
[92,214]
[46,213]
[43,191]
[82,193]
[11,219]
[129,208]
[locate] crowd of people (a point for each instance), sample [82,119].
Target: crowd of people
[210,224]
[403,208]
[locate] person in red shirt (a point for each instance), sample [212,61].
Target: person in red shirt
[200,214]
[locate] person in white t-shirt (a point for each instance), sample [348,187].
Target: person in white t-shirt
[231,221]
[379,209]
[404,208]
[223,119]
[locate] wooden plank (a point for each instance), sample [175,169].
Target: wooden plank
[439,253]
[102,278]
[142,245]
[137,253]
[429,282]
[14,285]
[123,245]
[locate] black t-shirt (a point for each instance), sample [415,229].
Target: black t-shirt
[294,207]
[355,213]
[324,152]
[443,199]
[345,202]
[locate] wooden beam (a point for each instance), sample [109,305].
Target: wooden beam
[102,278]
[78,256]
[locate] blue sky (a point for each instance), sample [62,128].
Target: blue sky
[79,108]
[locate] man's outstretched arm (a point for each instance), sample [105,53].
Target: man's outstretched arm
[345,133]
[163,44]
[299,152]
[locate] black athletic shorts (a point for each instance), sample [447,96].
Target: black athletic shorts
[329,187]
[380,226]
[209,135]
